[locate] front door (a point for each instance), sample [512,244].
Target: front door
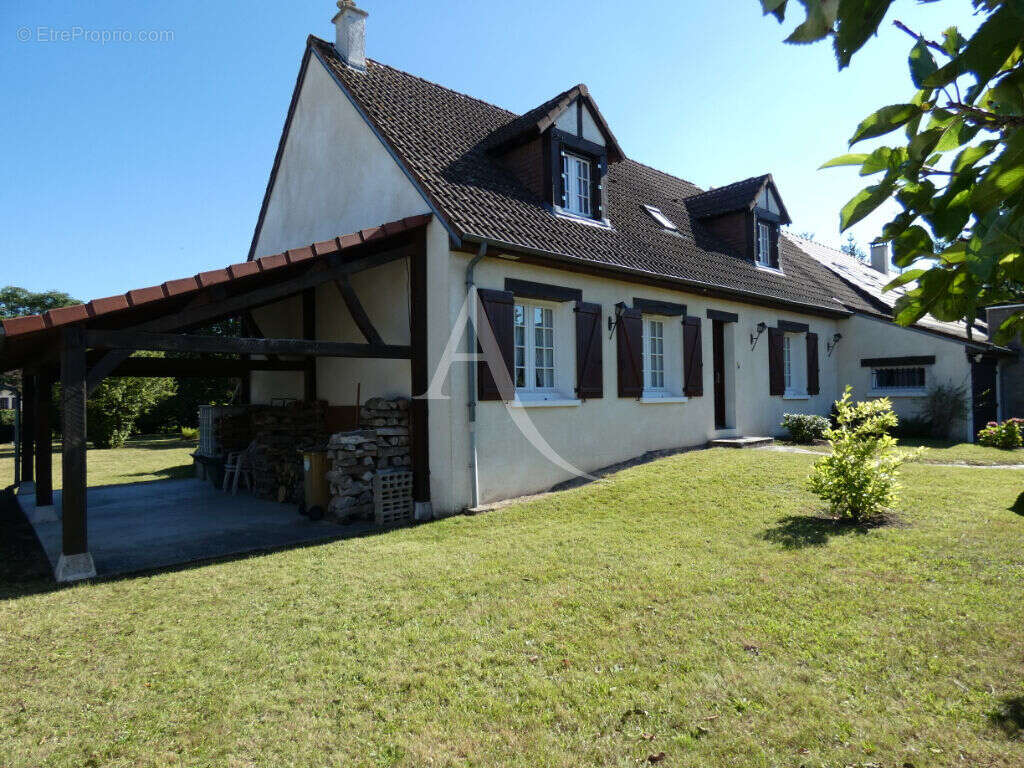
[718,353]
[983,392]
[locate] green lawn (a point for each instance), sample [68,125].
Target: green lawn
[944,452]
[697,606]
[144,458]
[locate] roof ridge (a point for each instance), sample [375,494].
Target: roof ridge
[736,183]
[429,82]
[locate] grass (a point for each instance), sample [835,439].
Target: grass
[945,452]
[142,459]
[697,606]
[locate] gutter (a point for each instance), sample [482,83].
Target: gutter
[694,286]
[471,398]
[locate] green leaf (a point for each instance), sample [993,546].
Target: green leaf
[922,63]
[1004,176]
[821,16]
[863,203]
[956,134]
[882,159]
[908,276]
[950,214]
[917,195]
[991,45]
[858,20]
[971,155]
[851,159]
[952,41]
[922,144]
[912,245]
[885,120]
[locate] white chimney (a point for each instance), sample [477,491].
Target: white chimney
[880,257]
[350,37]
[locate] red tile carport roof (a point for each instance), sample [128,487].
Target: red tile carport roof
[55,318]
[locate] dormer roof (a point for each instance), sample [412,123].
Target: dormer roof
[532,124]
[741,195]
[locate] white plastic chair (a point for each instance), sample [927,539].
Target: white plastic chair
[239,465]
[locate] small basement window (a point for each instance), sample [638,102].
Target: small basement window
[576,176]
[660,217]
[912,378]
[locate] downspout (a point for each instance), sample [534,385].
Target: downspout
[471,341]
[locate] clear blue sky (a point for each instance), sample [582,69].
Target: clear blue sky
[129,163]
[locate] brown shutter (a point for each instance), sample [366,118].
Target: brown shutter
[776,375]
[629,335]
[813,387]
[693,358]
[589,371]
[496,309]
[773,238]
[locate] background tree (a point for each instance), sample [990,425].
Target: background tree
[957,169]
[118,402]
[852,248]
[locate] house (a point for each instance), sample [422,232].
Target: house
[617,309]
[7,399]
[958,354]
[634,310]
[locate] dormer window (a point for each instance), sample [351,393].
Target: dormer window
[576,175]
[764,244]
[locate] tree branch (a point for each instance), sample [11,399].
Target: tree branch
[930,43]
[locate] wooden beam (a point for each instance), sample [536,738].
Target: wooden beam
[173,342]
[254,327]
[28,432]
[318,274]
[355,308]
[73,498]
[309,334]
[186,367]
[420,374]
[44,440]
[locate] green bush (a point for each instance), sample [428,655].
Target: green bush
[944,410]
[858,478]
[117,405]
[1007,435]
[6,418]
[190,433]
[805,427]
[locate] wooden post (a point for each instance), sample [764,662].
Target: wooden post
[28,410]
[309,334]
[73,499]
[420,375]
[44,439]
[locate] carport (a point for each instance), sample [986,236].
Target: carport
[81,345]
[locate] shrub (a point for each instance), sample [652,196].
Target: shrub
[190,433]
[913,427]
[1008,435]
[6,418]
[944,408]
[858,478]
[805,427]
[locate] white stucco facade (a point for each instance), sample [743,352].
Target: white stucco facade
[336,176]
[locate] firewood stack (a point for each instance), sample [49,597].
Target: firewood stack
[281,434]
[381,444]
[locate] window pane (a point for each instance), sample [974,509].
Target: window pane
[787,361]
[519,375]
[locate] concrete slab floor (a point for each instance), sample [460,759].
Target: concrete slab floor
[143,526]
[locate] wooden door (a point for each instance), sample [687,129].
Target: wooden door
[718,353]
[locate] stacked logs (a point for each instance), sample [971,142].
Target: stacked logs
[381,444]
[281,434]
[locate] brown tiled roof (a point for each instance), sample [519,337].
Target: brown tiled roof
[23,333]
[442,138]
[731,197]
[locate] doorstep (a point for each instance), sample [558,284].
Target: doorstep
[741,442]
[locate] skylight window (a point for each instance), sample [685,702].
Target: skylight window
[660,217]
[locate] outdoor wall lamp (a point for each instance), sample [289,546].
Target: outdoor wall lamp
[761,328]
[836,338]
[612,324]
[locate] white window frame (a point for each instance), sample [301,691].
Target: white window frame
[908,391]
[764,244]
[654,354]
[660,217]
[529,347]
[574,202]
